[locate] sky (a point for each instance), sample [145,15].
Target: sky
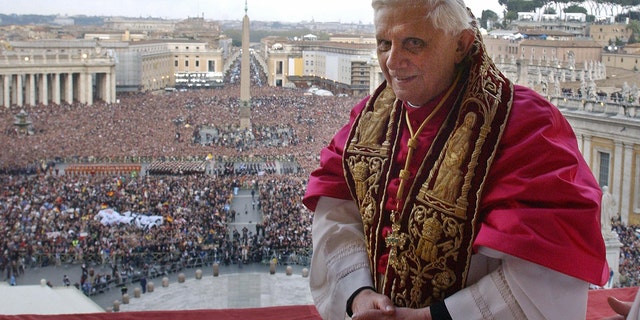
[263,10]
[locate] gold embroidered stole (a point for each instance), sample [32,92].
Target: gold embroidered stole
[430,245]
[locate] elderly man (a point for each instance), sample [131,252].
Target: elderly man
[451,193]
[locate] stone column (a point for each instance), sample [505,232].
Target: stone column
[112,85]
[68,88]
[43,85]
[6,91]
[19,91]
[616,171]
[88,88]
[613,258]
[586,151]
[31,89]
[625,198]
[82,83]
[56,88]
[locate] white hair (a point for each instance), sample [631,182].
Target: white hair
[450,16]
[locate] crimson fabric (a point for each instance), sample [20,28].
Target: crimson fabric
[598,307]
[540,200]
[304,312]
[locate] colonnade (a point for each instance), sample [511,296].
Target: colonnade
[39,79]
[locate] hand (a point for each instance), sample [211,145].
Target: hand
[369,304]
[400,313]
[622,308]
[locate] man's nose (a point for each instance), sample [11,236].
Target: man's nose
[396,57]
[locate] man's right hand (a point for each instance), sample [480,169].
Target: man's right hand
[369,304]
[622,308]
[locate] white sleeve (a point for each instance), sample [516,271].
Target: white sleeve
[634,313]
[340,263]
[519,289]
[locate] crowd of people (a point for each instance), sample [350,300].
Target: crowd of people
[629,236]
[50,220]
[143,126]
[48,217]
[231,135]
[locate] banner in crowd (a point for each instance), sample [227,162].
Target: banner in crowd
[109,217]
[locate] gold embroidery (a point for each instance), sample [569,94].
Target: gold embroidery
[448,182]
[441,282]
[375,121]
[431,234]
[366,176]
[360,171]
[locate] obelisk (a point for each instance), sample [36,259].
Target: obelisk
[245,77]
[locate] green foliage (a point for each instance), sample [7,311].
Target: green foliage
[632,39]
[575,9]
[488,15]
[634,26]
[511,15]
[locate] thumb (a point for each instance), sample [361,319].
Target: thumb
[620,307]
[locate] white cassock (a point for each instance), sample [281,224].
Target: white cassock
[499,286]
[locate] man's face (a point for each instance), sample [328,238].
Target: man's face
[417,60]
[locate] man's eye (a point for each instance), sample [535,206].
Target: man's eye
[413,44]
[384,45]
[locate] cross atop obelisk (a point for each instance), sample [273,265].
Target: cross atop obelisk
[245,77]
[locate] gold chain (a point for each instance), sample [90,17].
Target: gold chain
[412,144]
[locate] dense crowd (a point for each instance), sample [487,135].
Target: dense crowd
[50,220]
[629,254]
[145,125]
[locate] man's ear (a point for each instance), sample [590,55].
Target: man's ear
[465,40]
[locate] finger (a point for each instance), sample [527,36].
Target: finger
[620,307]
[372,314]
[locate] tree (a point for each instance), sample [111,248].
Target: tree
[488,16]
[634,26]
[511,15]
[575,9]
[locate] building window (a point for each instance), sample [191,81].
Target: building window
[212,66]
[603,172]
[197,63]
[175,64]
[279,67]
[186,63]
